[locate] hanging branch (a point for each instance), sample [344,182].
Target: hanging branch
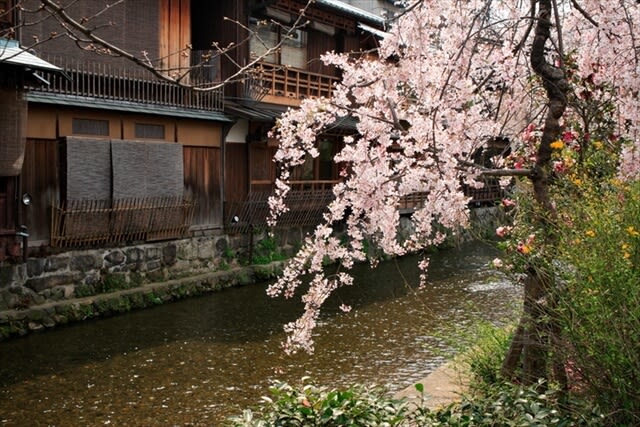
[584,12]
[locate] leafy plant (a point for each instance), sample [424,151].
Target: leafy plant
[507,404]
[484,358]
[228,254]
[599,303]
[266,251]
[503,404]
[311,405]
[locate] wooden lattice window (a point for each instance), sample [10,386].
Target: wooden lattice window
[151,131]
[90,127]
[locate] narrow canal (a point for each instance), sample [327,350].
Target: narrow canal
[197,361]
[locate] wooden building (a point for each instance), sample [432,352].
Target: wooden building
[18,69]
[112,153]
[279,80]
[115,154]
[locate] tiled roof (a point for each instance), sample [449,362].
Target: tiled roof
[12,53]
[353,11]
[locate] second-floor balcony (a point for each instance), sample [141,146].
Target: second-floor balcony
[280,84]
[132,85]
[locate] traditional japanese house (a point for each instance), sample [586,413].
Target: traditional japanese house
[277,80]
[115,153]
[18,68]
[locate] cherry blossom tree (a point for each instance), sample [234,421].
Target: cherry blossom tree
[449,77]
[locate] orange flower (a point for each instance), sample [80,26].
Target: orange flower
[523,249]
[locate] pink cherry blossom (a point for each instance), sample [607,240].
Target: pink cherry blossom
[507,203]
[450,76]
[502,231]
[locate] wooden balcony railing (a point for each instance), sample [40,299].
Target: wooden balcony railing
[487,195]
[271,80]
[308,199]
[131,85]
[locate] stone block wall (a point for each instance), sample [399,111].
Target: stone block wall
[83,273]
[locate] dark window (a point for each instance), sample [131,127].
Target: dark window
[90,127]
[152,131]
[325,163]
[6,16]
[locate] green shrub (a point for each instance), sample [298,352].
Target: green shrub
[503,404]
[483,359]
[112,282]
[266,250]
[507,404]
[599,303]
[311,406]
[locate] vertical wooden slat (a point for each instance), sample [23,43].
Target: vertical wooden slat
[97,80]
[55,221]
[174,33]
[164,32]
[185,34]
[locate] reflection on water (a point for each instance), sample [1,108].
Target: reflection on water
[196,361]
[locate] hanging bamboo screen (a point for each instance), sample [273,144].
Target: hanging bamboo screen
[13,116]
[97,222]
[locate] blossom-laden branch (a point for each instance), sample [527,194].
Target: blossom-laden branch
[449,77]
[387,159]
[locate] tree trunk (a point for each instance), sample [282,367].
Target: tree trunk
[534,349]
[533,346]
[512,359]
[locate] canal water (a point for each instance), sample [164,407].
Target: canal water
[197,361]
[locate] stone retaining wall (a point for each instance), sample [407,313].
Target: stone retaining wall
[81,284]
[84,273]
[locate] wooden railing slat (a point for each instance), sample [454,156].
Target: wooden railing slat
[94,222]
[101,81]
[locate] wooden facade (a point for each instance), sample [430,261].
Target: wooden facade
[108,102]
[8,216]
[41,179]
[203,179]
[44,165]
[7,14]
[116,112]
[175,36]
[15,69]
[284,78]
